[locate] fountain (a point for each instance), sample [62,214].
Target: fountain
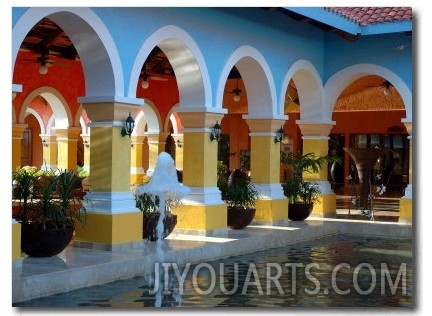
[163,183]
[365,159]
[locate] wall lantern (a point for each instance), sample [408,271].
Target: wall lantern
[128,127]
[179,144]
[45,143]
[279,135]
[215,132]
[86,144]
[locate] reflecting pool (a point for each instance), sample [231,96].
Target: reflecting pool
[335,271]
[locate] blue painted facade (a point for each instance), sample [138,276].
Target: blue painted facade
[216,34]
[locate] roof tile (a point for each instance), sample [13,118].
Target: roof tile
[373,15]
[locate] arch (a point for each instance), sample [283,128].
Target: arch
[258,80]
[99,56]
[309,88]
[61,112]
[38,118]
[187,61]
[83,126]
[340,80]
[81,121]
[149,116]
[50,124]
[172,117]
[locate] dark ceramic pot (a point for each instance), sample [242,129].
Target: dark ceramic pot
[37,242]
[150,223]
[239,218]
[299,211]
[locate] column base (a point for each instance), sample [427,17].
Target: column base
[16,239]
[107,231]
[405,210]
[271,210]
[326,207]
[202,219]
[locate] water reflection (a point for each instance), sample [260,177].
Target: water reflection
[338,271]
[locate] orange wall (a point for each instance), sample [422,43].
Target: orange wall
[367,122]
[164,94]
[66,77]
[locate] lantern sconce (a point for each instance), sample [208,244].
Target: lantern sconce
[86,144]
[128,127]
[215,132]
[279,135]
[45,143]
[179,143]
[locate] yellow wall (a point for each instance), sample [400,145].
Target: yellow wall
[201,217]
[16,240]
[110,228]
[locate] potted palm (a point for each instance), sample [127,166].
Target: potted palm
[149,204]
[47,209]
[302,194]
[241,196]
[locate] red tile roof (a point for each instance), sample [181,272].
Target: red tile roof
[373,15]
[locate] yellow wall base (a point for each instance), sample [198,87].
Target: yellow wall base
[326,207]
[136,178]
[16,240]
[405,213]
[271,210]
[201,217]
[110,228]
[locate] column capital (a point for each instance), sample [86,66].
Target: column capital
[109,111]
[199,120]
[67,133]
[315,129]
[18,130]
[137,139]
[269,126]
[408,126]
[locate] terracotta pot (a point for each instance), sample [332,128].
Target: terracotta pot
[239,218]
[36,242]
[299,211]
[150,224]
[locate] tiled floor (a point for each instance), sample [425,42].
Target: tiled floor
[79,267]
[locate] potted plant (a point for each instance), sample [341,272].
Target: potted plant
[47,209]
[240,195]
[149,204]
[302,194]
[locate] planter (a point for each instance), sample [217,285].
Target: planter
[365,159]
[36,242]
[299,211]
[150,223]
[239,218]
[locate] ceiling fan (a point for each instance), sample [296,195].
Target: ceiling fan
[146,77]
[236,92]
[44,62]
[386,85]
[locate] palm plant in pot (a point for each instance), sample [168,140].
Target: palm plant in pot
[149,204]
[302,194]
[241,196]
[47,209]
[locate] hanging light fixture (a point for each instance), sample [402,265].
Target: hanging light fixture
[215,132]
[144,83]
[279,135]
[387,85]
[128,127]
[43,69]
